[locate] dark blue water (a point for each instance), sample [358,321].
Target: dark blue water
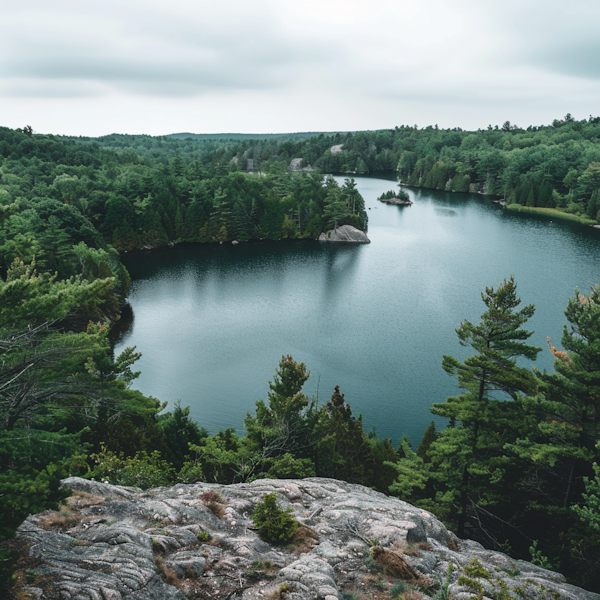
[212,322]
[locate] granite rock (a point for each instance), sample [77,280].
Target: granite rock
[346,234]
[127,544]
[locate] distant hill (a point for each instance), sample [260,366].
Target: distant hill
[250,136]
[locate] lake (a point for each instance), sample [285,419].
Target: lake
[212,321]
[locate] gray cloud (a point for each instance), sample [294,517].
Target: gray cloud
[268,65]
[48,89]
[554,36]
[158,53]
[578,58]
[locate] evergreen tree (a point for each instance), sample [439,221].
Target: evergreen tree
[491,378]
[281,426]
[428,438]
[343,450]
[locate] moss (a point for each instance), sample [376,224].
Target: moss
[472,584]
[476,569]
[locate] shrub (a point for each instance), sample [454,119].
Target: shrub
[143,470]
[191,472]
[274,525]
[398,589]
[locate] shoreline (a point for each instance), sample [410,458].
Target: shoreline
[551,212]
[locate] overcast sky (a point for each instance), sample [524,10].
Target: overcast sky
[253,66]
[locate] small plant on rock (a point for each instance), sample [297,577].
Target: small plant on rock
[398,589]
[214,502]
[477,570]
[274,525]
[284,588]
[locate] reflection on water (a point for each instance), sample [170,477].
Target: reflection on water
[212,322]
[446,212]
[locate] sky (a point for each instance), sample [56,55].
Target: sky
[276,66]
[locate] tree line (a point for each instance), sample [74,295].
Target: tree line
[59,197]
[554,166]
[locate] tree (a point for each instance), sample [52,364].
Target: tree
[280,426]
[343,450]
[490,378]
[563,443]
[428,438]
[560,448]
[336,207]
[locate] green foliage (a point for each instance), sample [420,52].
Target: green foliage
[412,474]
[428,438]
[470,452]
[142,470]
[190,472]
[537,558]
[288,467]
[26,491]
[398,589]
[590,512]
[30,298]
[476,569]
[274,525]
[180,431]
[343,449]
[442,593]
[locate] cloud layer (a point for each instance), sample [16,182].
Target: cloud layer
[159,66]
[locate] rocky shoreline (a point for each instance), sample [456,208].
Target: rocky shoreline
[198,542]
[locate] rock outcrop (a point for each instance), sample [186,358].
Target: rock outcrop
[347,234]
[296,165]
[187,541]
[395,200]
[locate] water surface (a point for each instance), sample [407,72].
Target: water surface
[212,321]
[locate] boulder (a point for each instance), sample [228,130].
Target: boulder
[346,234]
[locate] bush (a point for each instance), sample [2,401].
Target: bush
[274,525]
[191,472]
[398,588]
[143,470]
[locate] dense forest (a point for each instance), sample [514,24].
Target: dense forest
[548,167]
[516,468]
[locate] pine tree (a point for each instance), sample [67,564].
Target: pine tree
[491,377]
[428,438]
[343,450]
[563,445]
[280,426]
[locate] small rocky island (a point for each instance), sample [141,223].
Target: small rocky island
[347,234]
[198,542]
[400,197]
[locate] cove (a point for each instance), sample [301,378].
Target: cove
[212,321]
